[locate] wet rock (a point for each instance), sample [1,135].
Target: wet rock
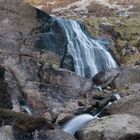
[127,77]
[115,127]
[60,135]
[5,96]
[106,77]
[6,133]
[129,105]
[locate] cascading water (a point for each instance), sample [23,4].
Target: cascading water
[75,124]
[26,109]
[90,55]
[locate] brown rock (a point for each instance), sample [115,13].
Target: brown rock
[128,105]
[115,127]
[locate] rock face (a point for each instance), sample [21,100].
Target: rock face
[29,40]
[115,127]
[127,76]
[129,105]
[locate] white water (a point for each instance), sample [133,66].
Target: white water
[76,123]
[27,109]
[90,56]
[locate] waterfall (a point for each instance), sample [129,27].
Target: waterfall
[89,55]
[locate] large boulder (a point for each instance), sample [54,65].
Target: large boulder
[115,127]
[61,90]
[127,76]
[129,105]
[106,77]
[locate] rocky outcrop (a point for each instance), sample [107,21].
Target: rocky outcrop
[115,127]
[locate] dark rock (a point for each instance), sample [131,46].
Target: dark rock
[115,127]
[137,63]
[5,96]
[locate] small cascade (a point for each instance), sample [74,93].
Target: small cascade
[76,123]
[89,55]
[26,109]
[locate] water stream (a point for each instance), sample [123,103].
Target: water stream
[89,55]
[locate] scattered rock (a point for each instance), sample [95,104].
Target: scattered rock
[115,127]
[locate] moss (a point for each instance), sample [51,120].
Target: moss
[129,28]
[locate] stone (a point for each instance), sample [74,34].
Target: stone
[115,127]
[128,105]
[5,96]
[107,27]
